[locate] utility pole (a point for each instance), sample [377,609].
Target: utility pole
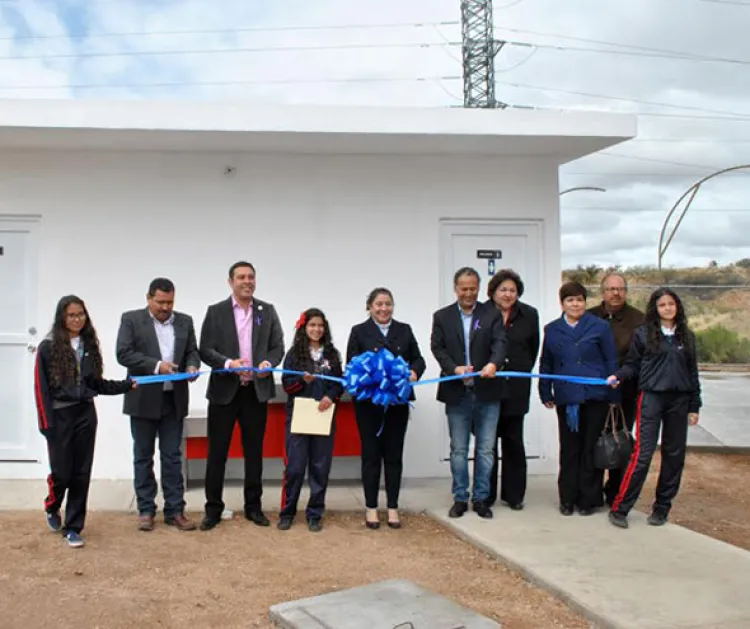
[479,50]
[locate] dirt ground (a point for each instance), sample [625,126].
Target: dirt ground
[714,498]
[230,576]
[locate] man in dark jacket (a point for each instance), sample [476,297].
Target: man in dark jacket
[158,340]
[623,319]
[469,337]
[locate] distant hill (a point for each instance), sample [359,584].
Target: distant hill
[716,299]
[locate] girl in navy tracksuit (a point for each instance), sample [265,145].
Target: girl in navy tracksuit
[67,378]
[312,352]
[662,357]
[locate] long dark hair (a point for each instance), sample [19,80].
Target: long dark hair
[653,322]
[301,344]
[62,357]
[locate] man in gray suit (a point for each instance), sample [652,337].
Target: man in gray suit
[237,332]
[157,340]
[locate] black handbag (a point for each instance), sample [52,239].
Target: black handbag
[615,445]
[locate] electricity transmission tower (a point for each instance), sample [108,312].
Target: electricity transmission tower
[479,50]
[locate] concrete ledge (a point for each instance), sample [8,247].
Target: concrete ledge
[529,574]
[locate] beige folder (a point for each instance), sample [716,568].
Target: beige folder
[308,420]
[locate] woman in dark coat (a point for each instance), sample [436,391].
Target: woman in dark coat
[578,344]
[521,323]
[381,431]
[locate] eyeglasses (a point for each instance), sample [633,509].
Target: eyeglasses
[615,289]
[76,316]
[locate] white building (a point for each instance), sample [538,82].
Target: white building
[98,198]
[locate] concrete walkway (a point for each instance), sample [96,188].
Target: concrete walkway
[641,577]
[725,416]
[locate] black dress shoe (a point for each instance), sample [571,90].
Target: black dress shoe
[285,523]
[566,509]
[586,511]
[458,509]
[483,510]
[208,523]
[657,518]
[257,517]
[516,506]
[314,525]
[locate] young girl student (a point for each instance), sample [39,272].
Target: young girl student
[67,378]
[313,353]
[662,357]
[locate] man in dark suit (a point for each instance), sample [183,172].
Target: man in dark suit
[157,340]
[467,336]
[240,331]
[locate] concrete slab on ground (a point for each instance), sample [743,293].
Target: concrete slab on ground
[725,416]
[382,605]
[643,577]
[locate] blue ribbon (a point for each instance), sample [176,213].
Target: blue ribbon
[379,377]
[174,377]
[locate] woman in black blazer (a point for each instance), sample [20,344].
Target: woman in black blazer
[521,323]
[378,332]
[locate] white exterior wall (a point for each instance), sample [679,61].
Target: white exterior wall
[321,230]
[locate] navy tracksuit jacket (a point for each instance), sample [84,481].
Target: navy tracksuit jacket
[311,453]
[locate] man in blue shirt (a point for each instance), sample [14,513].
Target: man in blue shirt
[468,337]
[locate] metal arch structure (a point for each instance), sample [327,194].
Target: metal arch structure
[690,192]
[479,49]
[577,188]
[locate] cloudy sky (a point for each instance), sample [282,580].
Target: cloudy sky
[683,65]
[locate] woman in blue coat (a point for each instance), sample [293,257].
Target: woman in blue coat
[578,344]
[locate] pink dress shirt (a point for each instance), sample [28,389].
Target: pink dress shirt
[243,320]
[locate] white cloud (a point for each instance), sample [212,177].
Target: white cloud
[643,178]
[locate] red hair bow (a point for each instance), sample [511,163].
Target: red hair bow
[300,322]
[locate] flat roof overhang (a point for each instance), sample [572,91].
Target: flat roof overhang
[236,127]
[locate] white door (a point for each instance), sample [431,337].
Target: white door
[18,337]
[488,246]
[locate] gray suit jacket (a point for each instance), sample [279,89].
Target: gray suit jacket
[219,343]
[138,351]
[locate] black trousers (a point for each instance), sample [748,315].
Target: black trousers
[251,415]
[512,457]
[386,450]
[579,482]
[71,455]
[614,477]
[312,454]
[656,410]
[169,430]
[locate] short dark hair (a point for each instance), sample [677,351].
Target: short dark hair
[160,283]
[502,275]
[465,270]
[374,294]
[572,289]
[238,265]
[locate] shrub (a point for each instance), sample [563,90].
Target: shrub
[718,344]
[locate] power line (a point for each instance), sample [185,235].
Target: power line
[737,2]
[636,210]
[608,174]
[690,140]
[627,53]
[737,115]
[83,86]
[209,51]
[228,31]
[665,161]
[659,51]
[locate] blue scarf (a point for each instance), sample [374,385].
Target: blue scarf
[572,416]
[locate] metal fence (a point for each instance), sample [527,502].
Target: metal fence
[719,315]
